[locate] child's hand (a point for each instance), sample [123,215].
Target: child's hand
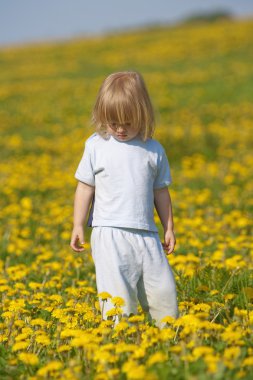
[77,239]
[169,241]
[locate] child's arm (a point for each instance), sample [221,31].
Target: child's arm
[163,207]
[83,197]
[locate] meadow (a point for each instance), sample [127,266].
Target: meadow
[200,78]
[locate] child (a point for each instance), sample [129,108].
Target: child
[128,172]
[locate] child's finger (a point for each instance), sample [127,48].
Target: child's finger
[168,248]
[76,245]
[165,246]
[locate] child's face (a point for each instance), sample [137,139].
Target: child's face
[122,132]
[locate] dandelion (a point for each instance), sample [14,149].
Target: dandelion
[134,371]
[28,358]
[158,357]
[50,368]
[228,297]
[168,319]
[248,292]
[232,337]
[136,318]
[21,337]
[63,348]
[121,326]
[166,334]
[139,353]
[38,322]
[114,311]
[202,307]
[230,355]
[202,351]
[248,362]
[124,347]
[104,296]
[211,361]
[118,301]
[175,349]
[43,340]
[19,346]
[81,341]
[7,315]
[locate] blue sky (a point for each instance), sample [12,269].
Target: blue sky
[24,21]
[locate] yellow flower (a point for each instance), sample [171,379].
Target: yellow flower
[118,301]
[202,351]
[104,296]
[38,322]
[27,330]
[158,357]
[112,373]
[175,349]
[214,292]
[202,307]
[136,318]
[228,297]
[231,353]
[7,314]
[3,338]
[34,285]
[19,346]
[232,337]
[139,353]
[235,262]
[26,203]
[22,336]
[55,297]
[211,361]
[105,331]
[131,330]
[107,347]
[121,326]
[68,333]
[248,292]
[28,358]
[168,319]
[166,334]
[101,376]
[53,366]
[106,323]
[19,323]
[124,347]
[102,356]
[134,371]
[43,339]
[248,362]
[64,347]
[137,373]
[114,311]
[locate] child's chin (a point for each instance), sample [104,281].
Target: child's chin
[122,138]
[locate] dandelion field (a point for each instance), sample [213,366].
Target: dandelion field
[200,77]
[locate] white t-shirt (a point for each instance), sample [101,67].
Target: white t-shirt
[125,175]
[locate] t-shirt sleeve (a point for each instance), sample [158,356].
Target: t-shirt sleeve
[163,176]
[85,172]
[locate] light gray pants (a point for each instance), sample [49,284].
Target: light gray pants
[131,264]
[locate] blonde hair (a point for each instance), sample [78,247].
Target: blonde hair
[123,97]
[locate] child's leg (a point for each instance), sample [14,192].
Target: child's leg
[157,289]
[142,297]
[118,266]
